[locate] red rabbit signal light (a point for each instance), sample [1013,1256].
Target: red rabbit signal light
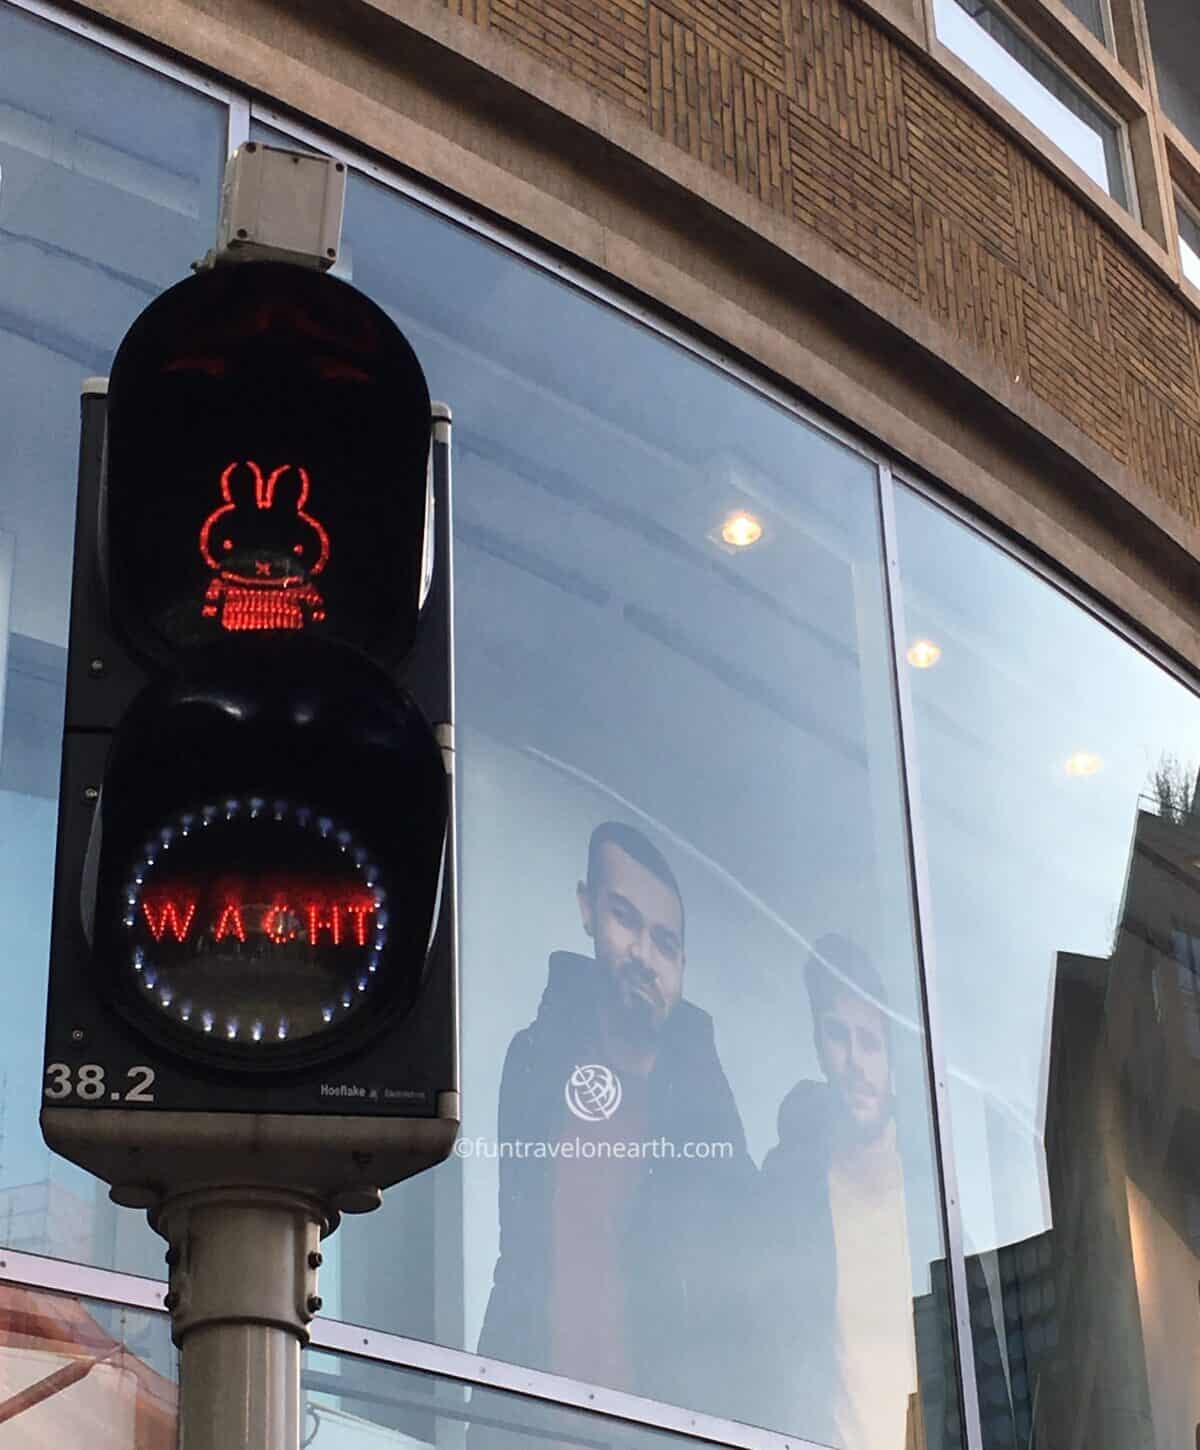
[263,566]
[291,413]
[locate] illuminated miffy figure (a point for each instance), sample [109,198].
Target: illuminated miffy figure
[264,550]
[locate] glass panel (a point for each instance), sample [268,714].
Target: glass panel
[75,1372]
[682,841]
[1189,240]
[983,36]
[1058,772]
[108,187]
[351,1404]
[1175,42]
[1091,12]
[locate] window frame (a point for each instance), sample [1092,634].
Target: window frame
[1127,176]
[1185,207]
[1183,168]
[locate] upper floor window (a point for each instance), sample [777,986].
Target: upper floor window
[1189,239]
[1094,14]
[992,44]
[1175,41]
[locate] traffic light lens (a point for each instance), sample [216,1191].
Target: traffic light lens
[266,467]
[250,924]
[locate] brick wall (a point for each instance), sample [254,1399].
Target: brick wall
[818,113]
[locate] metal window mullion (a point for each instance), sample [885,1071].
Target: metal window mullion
[475,1371]
[935,1050]
[238,130]
[64,1276]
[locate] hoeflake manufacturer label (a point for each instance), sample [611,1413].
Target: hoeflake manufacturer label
[374,1094]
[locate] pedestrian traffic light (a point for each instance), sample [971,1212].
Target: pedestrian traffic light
[253,950]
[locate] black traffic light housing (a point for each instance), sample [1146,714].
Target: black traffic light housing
[253,956]
[262,417]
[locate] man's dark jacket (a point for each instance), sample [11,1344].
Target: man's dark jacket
[674,1237]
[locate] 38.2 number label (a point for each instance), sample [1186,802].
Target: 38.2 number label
[88,1083]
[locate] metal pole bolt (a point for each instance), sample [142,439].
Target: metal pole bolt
[242,1292]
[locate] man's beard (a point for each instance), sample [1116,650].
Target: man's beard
[865,1132]
[640,1014]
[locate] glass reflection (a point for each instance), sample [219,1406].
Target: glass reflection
[348,1404]
[1065,910]
[1094,14]
[1189,239]
[833,1225]
[108,189]
[74,1372]
[628,1161]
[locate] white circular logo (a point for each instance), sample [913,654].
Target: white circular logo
[593,1092]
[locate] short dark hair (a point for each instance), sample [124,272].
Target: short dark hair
[630,840]
[837,965]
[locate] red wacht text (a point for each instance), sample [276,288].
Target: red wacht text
[329,919]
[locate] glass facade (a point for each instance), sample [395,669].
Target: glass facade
[1057,788]
[350,1404]
[731,700]
[75,1371]
[109,180]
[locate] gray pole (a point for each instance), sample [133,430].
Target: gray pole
[239,1386]
[243,1291]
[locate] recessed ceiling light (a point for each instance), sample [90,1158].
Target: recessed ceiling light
[741,530]
[923,654]
[1083,762]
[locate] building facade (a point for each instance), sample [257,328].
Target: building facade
[826,385]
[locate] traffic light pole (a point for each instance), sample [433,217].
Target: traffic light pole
[243,1290]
